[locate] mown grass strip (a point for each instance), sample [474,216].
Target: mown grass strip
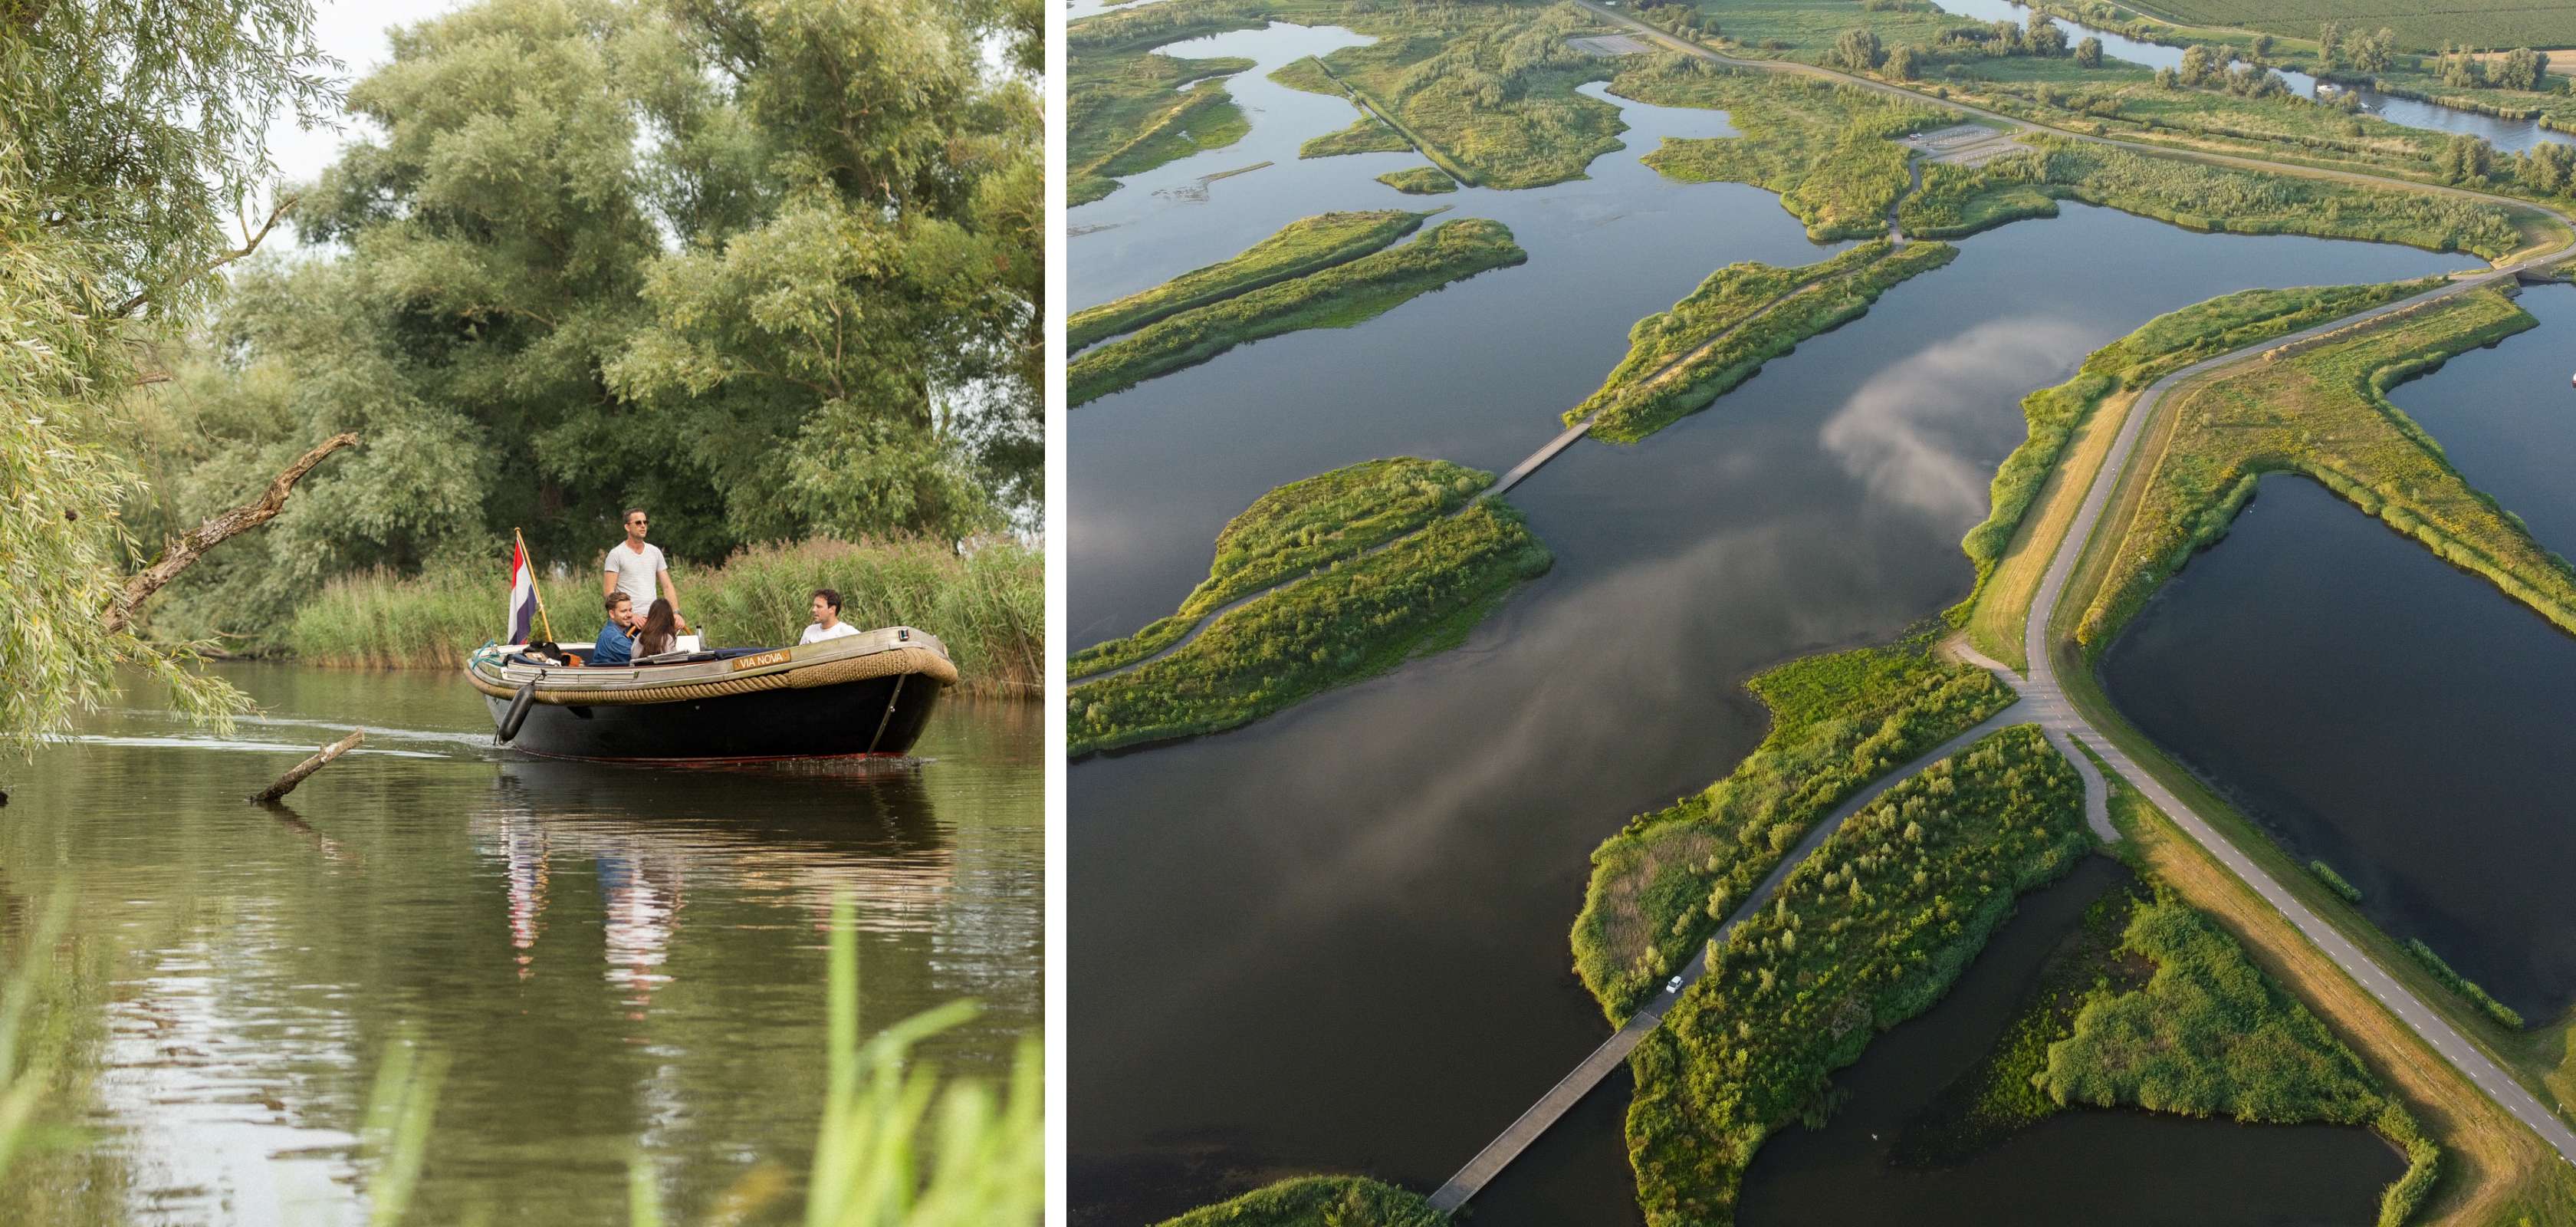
[1341,296]
[1306,245]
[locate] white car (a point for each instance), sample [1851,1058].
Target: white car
[1673,985]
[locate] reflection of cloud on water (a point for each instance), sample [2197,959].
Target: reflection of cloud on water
[1906,433]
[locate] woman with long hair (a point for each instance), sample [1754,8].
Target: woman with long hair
[658,634]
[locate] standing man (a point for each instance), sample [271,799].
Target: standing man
[634,567]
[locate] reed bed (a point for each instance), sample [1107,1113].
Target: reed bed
[988,605]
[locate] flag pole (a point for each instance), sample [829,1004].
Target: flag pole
[535,589]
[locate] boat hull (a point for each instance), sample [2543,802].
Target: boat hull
[879,716]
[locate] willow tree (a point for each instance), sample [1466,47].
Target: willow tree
[131,142]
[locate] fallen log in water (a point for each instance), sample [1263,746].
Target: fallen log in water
[286,783]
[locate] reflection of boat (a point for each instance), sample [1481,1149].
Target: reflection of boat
[862,694]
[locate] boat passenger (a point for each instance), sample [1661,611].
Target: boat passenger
[657,635]
[635,567]
[827,619]
[615,644]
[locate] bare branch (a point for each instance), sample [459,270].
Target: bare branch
[250,243]
[188,547]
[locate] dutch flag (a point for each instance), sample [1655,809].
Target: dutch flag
[523,594]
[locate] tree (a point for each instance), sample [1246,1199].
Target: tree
[2375,53]
[2522,68]
[2199,64]
[2167,78]
[2329,43]
[1858,49]
[130,136]
[2464,159]
[1902,62]
[2460,69]
[2045,38]
[2550,167]
[2088,53]
[2262,47]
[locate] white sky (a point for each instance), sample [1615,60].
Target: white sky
[352,32]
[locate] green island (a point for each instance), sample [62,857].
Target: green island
[1420,181]
[2322,413]
[1869,930]
[2008,555]
[1668,879]
[1130,108]
[1338,296]
[1742,316]
[1421,593]
[1317,1201]
[1321,520]
[1367,134]
[1307,245]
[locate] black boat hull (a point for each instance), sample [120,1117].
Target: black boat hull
[879,716]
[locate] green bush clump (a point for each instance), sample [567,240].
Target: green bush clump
[1318,1201]
[1838,721]
[1367,134]
[1295,529]
[2462,985]
[1356,619]
[1868,931]
[2334,881]
[1341,296]
[1300,247]
[1420,181]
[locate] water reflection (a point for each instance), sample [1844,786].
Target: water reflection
[618,959]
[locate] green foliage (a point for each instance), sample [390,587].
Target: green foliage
[2462,985]
[1367,134]
[1422,592]
[2157,348]
[1419,181]
[2334,881]
[1129,113]
[2488,23]
[1317,1201]
[1957,201]
[1631,411]
[1868,931]
[988,606]
[1341,296]
[1838,721]
[1316,522]
[2322,413]
[1300,247]
[1486,90]
[1826,148]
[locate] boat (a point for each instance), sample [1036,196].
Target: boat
[863,695]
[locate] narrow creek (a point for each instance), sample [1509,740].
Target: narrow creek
[1336,939]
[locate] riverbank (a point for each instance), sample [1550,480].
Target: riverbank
[988,606]
[1131,108]
[1340,296]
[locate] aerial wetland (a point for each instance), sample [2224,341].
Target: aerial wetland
[1333,939]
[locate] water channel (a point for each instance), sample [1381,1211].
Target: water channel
[1335,940]
[619,961]
[2376,708]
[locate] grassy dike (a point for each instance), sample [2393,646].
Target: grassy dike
[1420,181]
[1340,296]
[1420,593]
[2002,546]
[1662,884]
[1741,317]
[1127,110]
[1867,932]
[2321,413]
[989,607]
[1317,522]
[1317,1201]
[1307,245]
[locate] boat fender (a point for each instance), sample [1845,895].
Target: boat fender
[518,713]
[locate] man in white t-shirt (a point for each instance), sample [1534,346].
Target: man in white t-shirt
[827,619]
[635,568]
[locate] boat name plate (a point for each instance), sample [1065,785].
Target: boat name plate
[778,657]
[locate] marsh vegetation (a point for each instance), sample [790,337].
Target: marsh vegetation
[1298,248]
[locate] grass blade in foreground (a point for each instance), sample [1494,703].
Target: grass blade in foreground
[1360,618]
[1297,528]
[1303,246]
[1337,297]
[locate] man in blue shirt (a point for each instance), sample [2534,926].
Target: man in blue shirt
[616,642]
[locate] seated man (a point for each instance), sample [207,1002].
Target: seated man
[827,619]
[616,642]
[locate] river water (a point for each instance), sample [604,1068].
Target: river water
[619,961]
[2509,135]
[2374,707]
[1336,939]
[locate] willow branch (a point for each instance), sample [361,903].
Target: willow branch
[250,243]
[188,547]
